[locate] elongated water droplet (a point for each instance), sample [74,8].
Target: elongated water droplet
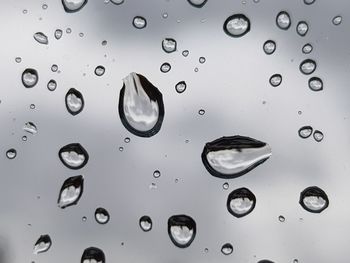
[180,87]
[308,66]
[269,47]
[315,84]
[275,80]
[169,45]
[318,136]
[141,107]
[302,28]
[74,101]
[71,191]
[102,216]
[42,245]
[337,20]
[305,132]
[307,48]
[241,202]
[283,20]
[73,156]
[233,156]
[165,67]
[30,128]
[145,223]
[93,255]
[30,77]
[139,22]
[117,2]
[314,199]
[99,70]
[41,38]
[11,153]
[197,3]
[52,85]
[237,25]
[181,230]
[227,249]
[71,6]
[58,33]
[265,261]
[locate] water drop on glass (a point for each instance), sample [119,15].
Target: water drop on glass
[314,199]
[165,15]
[41,38]
[302,28]
[139,22]
[309,2]
[30,128]
[74,101]
[58,33]
[283,20]
[165,67]
[197,3]
[42,245]
[240,202]
[307,48]
[32,106]
[237,25]
[275,80]
[185,53]
[169,45]
[30,77]
[315,84]
[227,249]
[156,174]
[52,85]
[201,112]
[281,219]
[102,216]
[44,6]
[269,47]
[73,156]
[337,20]
[305,132]
[117,2]
[180,87]
[127,140]
[24,138]
[11,153]
[84,218]
[71,191]
[145,223]
[71,6]
[93,255]
[318,136]
[68,30]
[308,66]
[202,60]
[225,186]
[99,70]
[18,59]
[181,230]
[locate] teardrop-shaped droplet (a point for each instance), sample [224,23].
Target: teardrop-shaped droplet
[269,47]
[165,67]
[101,216]
[74,101]
[315,84]
[52,85]
[197,3]
[73,156]
[227,249]
[71,191]
[308,66]
[93,255]
[145,223]
[139,22]
[30,128]
[41,38]
[237,25]
[305,132]
[318,136]
[241,202]
[71,6]
[99,70]
[275,80]
[309,2]
[314,199]
[337,20]
[42,245]
[169,45]
[307,48]
[180,87]
[233,156]
[181,230]
[30,77]
[283,20]
[302,28]
[141,107]
[11,153]
[58,33]
[117,2]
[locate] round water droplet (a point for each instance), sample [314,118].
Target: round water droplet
[265,261]
[52,85]
[71,6]
[44,6]
[127,140]
[307,48]
[156,174]
[41,38]
[24,138]
[197,3]
[18,59]
[318,136]
[73,156]
[42,245]
[74,101]
[225,186]
[275,80]
[305,132]
[25,11]
[281,219]
[308,66]
[54,68]
[81,34]
[93,255]
[295,261]
[180,87]
[71,191]
[181,230]
[227,249]
[314,199]
[30,77]
[165,15]
[202,60]
[104,42]
[309,2]
[68,30]
[145,223]
[185,53]
[283,20]
[237,25]
[165,67]
[201,112]
[58,33]
[315,84]
[121,148]
[241,202]
[269,47]
[117,2]
[337,20]
[11,153]
[169,45]
[32,106]
[99,70]
[139,22]
[84,218]
[302,28]
[101,216]
[30,128]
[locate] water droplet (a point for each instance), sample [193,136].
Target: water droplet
[156,174]
[44,6]
[93,255]
[43,244]
[281,219]
[52,85]
[318,136]
[227,249]
[165,67]
[84,218]
[275,80]
[307,48]
[185,53]
[314,199]
[24,138]
[68,30]
[71,6]
[283,20]
[269,47]
[240,202]
[127,140]
[139,22]
[32,106]
[54,68]
[237,25]
[225,186]
[197,3]
[308,66]
[305,132]
[30,77]
[152,186]
[71,191]
[265,261]
[233,156]
[117,2]
[121,148]
[165,15]
[202,60]
[25,11]
[181,230]
[41,38]
[337,20]
[196,69]
[295,261]
[300,112]
[302,28]
[145,223]
[101,216]
[99,70]
[81,34]
[74,101]
[11,153]
[58,33]
[18,59]
[30,128]
[169,45]
[180,87]
[309,2]
[315,84]
[73,156]
[141,107]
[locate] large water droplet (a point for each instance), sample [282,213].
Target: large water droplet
[30,128]
[337,20]
[283,20]
[165,67]
[169,45]
[307,48]
[269,47]
[305,132]
[42,245]
[241,202]
[180,87]
[308,66]
[93,255]
[58,33]
[181,230]
[71,6]
[71,191]
[99,70]
[197,3]
[139,22]
[52,85]
[233,156]
[101,216]
[227,249]
[315,84]
[73,156]
[237,25]
[302,28]
[275,80]
[74,101]
[318,136]
[141,107]
[30,77]
[145,223]
[41,38]
[314,199]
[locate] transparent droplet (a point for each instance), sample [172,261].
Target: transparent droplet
[275,80]
[156,174]
[181,230]
[18,59]
[185,53]
[269,47]
[139,22]
[99,70]
[169,45]
[307,48]
[295,261]
[117,2]
[104,43]
[58,33]
[152,186]
[240,202]
[11,153]
[24,138]
[202,60]
[81,34]
[315,84]
[308,66]
[318,136]
[180,87]
[145,223]
[302,28]
[93,255]
[84,218]
[73,156]
[30,77]
[30,128]
[225,186]
[265,261]
[121,148]
[196,69]
[101,216]
[74,101]
[233,156]
[237,25]
[25,11]
[165,67]
[52,85]
[201,112]
[44,6]
[127,140]
[165,15]
[71,6]
[337,20]
[305,132]
[227,249]
[42,245]
[197,3]
[309,2]
[32,106]
[281,219]
[71,191]
[68,30]
[314,199]
[283,20]
[41,38]
[54,68]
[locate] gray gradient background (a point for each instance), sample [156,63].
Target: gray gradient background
[230,86]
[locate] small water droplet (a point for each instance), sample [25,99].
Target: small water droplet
[165,67]
[25,11]
[68,30]
[315,84]
[41,38]
[18,59]
[42,245]
[185,53]
[307,48]
[11,153]
[58,33]
[240,202]
[269,47]
[337,20]
[104,42]
[139,22]
[180,87]
[102,216]
[181,230]
[305,132]
[196,69]
[54,68]
[227,249]
[93,255]
[156,174]
[318,136]
[71,191]
[73,156]
[74,101]
[52,85]
[309,2]
[314,199]
[265,261]
[201,112]
[71,6]
[202,60]
[169,45]
[30,128]
[197,3]
[30,77]
[302,28]
[24,138]
[127,140]
[283,20]
[81,34]
[99,70]
[32,106]
[300,112]
[117,2]
[44,6]
[281,219]
[225,186]
[275,80]
[237,25]
[308,66]
[121,148]
[84,218]
[295,261]
[165,15]
[145,223]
